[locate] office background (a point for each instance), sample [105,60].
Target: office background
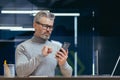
[97,30]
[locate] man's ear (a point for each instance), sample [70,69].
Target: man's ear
[34,25]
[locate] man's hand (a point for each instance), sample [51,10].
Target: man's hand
[62,56]
[46,50]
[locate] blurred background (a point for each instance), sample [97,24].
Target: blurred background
[92,29]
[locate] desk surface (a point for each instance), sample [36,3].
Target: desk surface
[63,78]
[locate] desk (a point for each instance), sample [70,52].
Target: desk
[64,78]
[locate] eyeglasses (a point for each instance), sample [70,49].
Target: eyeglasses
[45,26]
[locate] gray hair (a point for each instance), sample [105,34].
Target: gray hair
[47,14]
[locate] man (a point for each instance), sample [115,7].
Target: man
[38,56]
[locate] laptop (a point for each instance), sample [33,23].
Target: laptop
[113,71]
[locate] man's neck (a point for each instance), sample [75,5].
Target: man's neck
[38,39]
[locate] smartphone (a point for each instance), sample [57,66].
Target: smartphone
[65,45]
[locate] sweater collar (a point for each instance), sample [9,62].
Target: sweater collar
[38,39]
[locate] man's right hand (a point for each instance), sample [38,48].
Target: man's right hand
[46,50]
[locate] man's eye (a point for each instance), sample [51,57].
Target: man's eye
[44,25]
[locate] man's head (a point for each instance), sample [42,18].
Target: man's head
[43,24]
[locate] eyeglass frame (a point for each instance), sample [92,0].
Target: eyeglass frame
[45,26]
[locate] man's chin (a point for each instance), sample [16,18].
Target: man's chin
[45,37]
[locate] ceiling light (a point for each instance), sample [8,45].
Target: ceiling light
[23,29]
[10,27]
[20,11]
[33,12]
[16,28]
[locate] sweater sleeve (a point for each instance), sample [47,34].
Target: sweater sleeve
[25,66]
[66,70]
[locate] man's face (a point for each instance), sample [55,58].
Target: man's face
[43,28]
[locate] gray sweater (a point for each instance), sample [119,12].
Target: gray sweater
[30,61]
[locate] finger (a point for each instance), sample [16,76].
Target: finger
[56,55]
[44,49]
[61,53]
[67,52]
[61,57]
[49,50]
[64,51]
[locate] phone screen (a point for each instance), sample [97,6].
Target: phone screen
[65,45]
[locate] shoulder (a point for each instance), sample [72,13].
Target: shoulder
[56,44]
[24,43]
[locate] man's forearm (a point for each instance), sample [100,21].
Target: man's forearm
[26,68]
[66,70]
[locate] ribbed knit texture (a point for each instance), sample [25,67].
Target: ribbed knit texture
[30,61]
